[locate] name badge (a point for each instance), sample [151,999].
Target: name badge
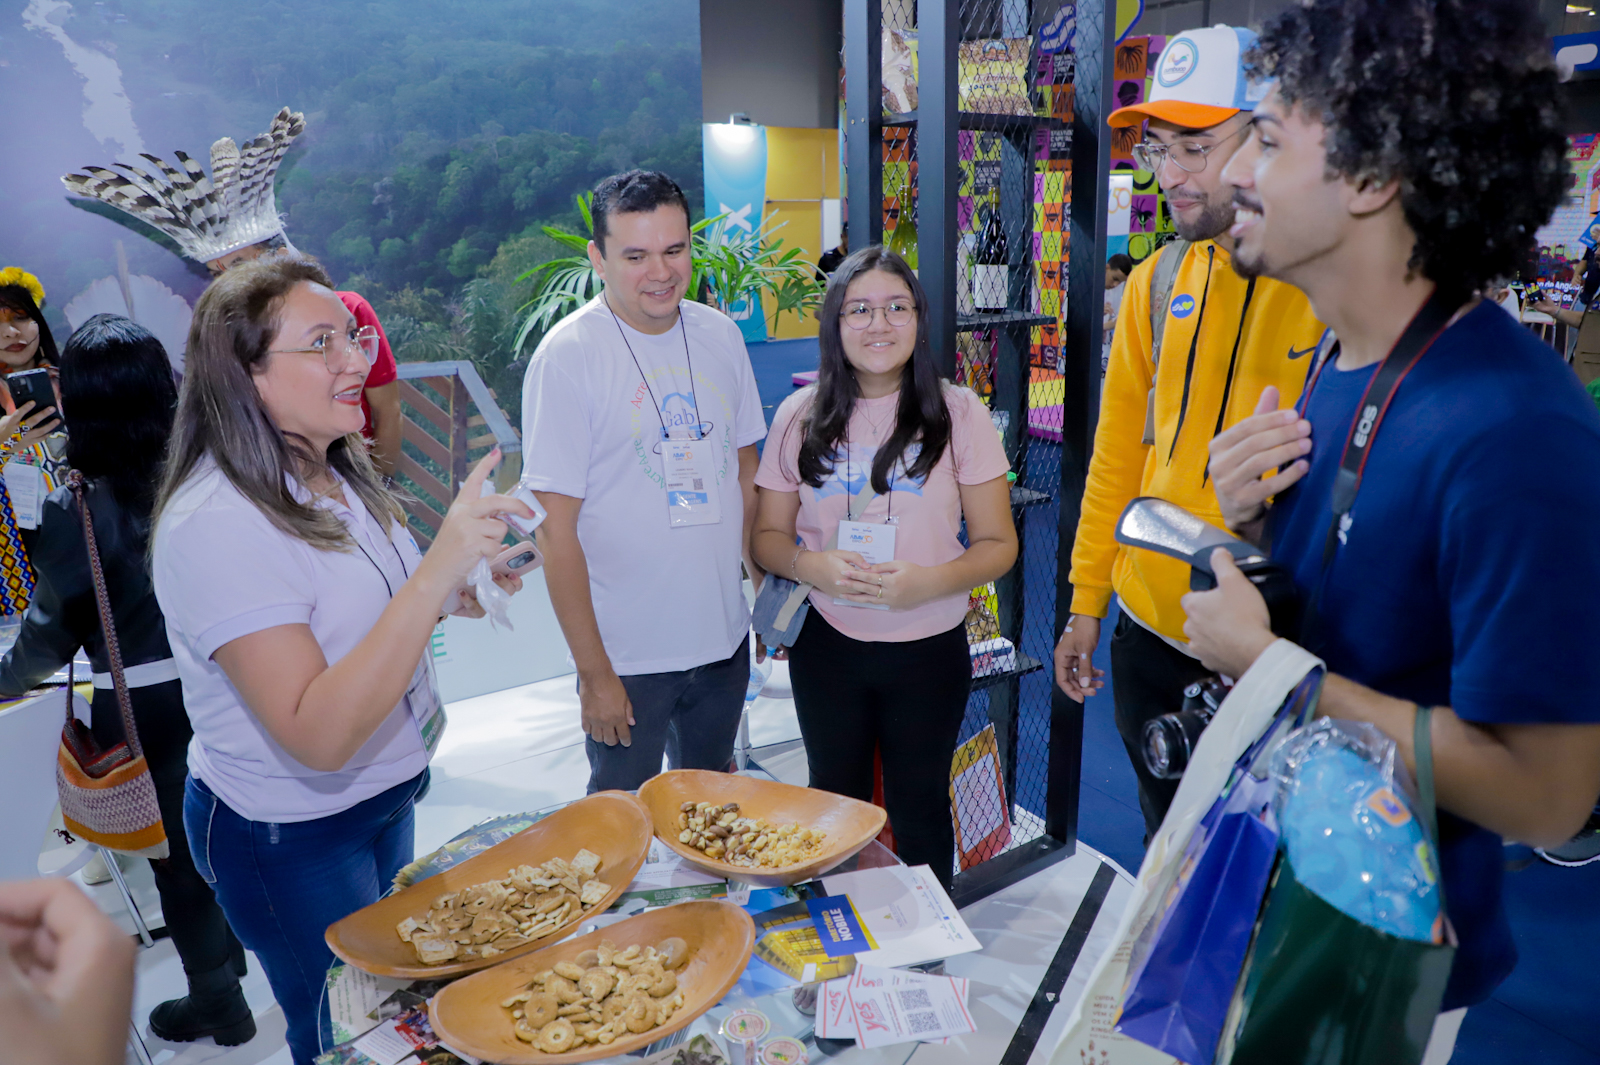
[874,543]
[427,706]
[25,486]
[692,497]
[871,541]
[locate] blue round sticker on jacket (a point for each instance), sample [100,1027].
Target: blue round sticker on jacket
[1183,306]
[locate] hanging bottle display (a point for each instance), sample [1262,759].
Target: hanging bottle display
[992,264]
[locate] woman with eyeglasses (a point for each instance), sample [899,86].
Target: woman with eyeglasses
[865,483]
[299,611]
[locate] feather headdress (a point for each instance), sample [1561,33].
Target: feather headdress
[209,217]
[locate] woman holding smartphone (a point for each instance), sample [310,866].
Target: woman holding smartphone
[299,612]
[26,343]
[864,485]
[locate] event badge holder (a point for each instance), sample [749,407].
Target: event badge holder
[692,497]
[873,541]
[26,485]
[688,469]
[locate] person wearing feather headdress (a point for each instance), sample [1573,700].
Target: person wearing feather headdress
[232,217]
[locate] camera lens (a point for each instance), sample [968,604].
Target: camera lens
[1166,747]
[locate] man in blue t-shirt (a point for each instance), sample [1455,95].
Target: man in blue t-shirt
[1462,577]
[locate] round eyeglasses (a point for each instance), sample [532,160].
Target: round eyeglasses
[335,348]
[897,313]
[1188,156]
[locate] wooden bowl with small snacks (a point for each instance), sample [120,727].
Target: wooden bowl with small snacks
[626,985]
[758,832]
[525,892]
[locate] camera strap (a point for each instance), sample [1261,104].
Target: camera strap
[1430,321]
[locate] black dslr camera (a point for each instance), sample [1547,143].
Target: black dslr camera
[1157,525]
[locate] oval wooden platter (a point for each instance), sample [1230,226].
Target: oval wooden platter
[612,824]
[468,1016]
[850,824]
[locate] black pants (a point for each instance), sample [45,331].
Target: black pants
[195,922]
[904,700]
[1148,676]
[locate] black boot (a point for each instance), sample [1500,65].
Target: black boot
[215,1006]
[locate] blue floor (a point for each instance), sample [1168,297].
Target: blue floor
[1546,1012]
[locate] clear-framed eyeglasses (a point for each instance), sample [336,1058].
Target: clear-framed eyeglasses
[1188,156]
[897,313]
[335,348]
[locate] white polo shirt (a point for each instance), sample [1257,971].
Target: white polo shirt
[222,570]
[593,411]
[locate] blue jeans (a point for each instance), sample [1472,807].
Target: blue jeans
[691,715]
[282,885]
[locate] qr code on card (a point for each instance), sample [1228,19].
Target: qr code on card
[699,484]
[923,1022]
[915,998]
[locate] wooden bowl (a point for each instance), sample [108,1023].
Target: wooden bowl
[612,824]
[849,823]
[468,1016]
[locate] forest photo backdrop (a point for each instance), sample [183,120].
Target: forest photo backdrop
[439,139]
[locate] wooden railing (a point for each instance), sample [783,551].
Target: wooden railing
[441,427]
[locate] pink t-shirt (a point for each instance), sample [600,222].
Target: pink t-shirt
[927,516]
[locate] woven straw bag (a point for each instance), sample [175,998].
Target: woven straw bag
[107,794]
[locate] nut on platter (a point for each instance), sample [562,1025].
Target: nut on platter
[808,831]
[611,827]
[625,985]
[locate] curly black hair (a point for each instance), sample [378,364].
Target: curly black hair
[1455,98]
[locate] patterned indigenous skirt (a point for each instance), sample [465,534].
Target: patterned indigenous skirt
[16,574]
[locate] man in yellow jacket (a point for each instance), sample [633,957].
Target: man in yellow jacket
[1222,339]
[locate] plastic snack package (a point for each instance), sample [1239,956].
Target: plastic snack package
[1346,816]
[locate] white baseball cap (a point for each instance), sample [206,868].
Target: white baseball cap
[1199,80]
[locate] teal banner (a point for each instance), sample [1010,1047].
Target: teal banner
[736,186]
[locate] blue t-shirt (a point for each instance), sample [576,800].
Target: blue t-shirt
[1466,576]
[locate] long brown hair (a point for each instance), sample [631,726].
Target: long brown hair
[221,414]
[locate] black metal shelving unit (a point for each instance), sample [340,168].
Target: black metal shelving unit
[941,25]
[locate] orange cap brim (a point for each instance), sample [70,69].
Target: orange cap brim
[1178,112]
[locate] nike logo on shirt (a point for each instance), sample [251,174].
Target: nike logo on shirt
[1300,353]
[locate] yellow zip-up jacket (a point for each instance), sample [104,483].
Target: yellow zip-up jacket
[1226,339]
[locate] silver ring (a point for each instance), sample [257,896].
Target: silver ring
[880,580]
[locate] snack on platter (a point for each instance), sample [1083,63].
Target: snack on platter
[719,832]
[604,994]
[491,918]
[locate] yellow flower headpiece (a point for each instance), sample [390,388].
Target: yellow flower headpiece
[16,275]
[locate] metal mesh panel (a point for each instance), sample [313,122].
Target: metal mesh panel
[1014,110]
[1008,177]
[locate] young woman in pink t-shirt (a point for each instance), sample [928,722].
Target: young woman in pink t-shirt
[863,486]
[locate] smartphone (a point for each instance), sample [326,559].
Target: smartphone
[34,385]
[516,560]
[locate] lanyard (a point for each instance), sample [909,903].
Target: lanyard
[698,435]
[397,557]
[889,495]
[1425,327]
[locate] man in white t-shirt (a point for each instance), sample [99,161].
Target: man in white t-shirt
[640,423]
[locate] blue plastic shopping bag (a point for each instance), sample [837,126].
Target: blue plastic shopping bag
[1182,975]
